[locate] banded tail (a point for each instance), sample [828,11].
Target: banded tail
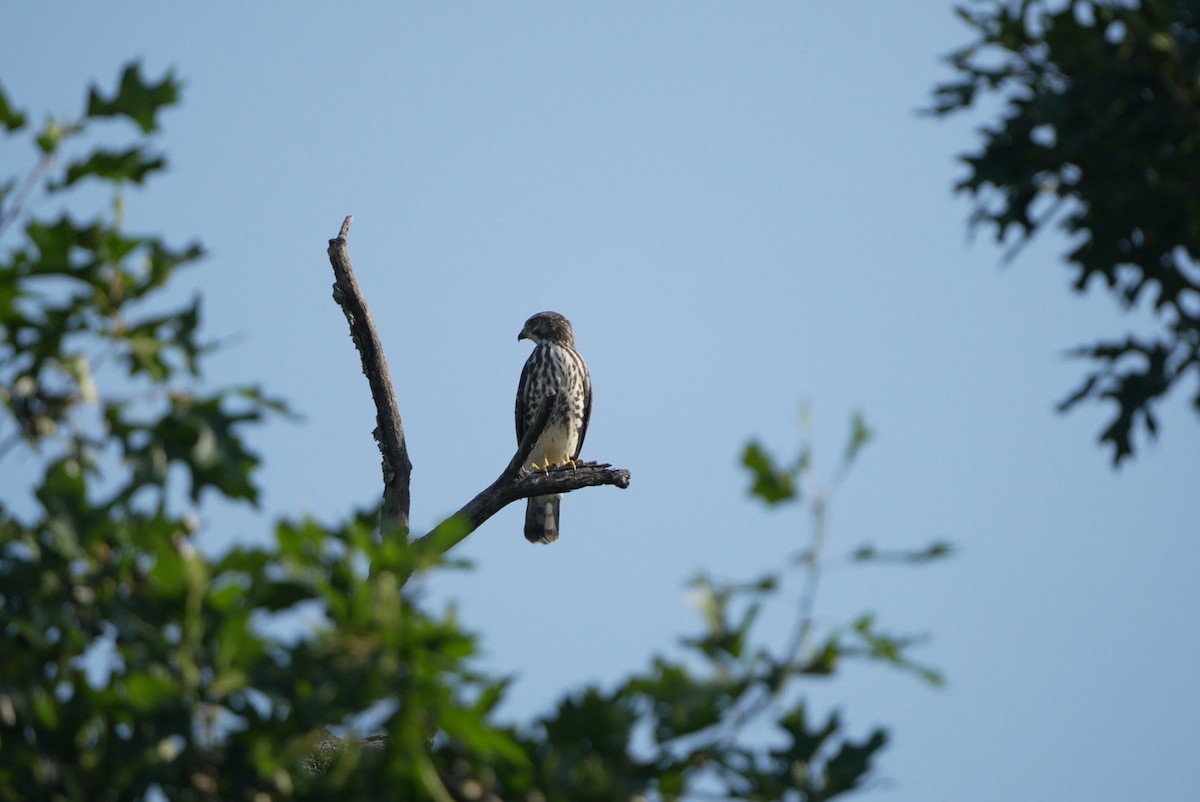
[541,519]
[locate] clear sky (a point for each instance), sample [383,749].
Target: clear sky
[740,209]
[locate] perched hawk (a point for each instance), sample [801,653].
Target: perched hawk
[553,365]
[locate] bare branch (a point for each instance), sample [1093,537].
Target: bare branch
[515,483]
[389,431]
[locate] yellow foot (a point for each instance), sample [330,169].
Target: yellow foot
[548,466]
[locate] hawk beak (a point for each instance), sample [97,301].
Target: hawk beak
[521,336]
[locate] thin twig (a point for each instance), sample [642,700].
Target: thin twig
[389,431]
[22,195]
[808,598]
[790,661]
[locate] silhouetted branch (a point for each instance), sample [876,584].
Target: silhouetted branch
[389,431]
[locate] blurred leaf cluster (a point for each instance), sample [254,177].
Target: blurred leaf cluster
[1099,135]
[133,665]
[726,716]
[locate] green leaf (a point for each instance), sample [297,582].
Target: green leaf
[860,435]
[934,551]
[683,704]
[149,689]
[136,98]
[228,682]
[261,400]
[491,695]
[468,726]
[153,341]
[163,262]
[847,769]
[890,649]
[825,660]
[131,164]
[805,743]
[430,549]
[202,435]
[11,118]
[773,485]
[45,709]
[53,133]
[57,243]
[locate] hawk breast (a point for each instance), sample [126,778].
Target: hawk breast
[555,367]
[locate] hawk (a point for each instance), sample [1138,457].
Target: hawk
[553,365]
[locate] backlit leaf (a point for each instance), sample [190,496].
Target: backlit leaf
[136,98]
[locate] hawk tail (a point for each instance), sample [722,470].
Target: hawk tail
[541,519]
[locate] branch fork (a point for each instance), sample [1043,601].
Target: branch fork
[514,482]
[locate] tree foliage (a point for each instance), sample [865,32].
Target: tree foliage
[1100,136]
[133,665]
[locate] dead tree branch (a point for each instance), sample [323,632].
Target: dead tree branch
[514,482]
[389,431]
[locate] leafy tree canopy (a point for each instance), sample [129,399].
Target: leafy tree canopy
[1099,136]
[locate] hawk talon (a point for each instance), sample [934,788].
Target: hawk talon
[547,466]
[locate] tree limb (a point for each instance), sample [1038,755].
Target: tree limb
[515,483]
[389,431]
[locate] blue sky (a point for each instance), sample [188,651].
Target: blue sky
[741,211]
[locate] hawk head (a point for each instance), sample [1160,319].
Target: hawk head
[548,326]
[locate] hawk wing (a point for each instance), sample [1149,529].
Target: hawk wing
[519,412]
[587,409]
[523,412]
